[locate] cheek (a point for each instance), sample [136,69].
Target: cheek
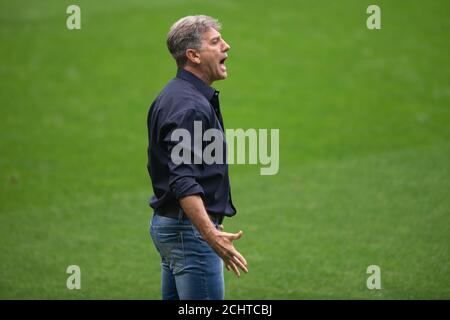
[207,60]
[212,63]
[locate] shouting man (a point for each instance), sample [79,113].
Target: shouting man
[191,197]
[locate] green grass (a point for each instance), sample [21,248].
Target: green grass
[364,146]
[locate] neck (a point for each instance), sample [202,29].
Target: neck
[198,73]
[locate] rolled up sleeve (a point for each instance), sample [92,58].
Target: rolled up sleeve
[183,177]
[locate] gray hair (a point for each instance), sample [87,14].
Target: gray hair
[187,33]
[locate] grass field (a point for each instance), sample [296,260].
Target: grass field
[363,115]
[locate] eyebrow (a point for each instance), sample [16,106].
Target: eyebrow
[216,37]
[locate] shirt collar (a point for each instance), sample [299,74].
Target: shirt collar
[206,90]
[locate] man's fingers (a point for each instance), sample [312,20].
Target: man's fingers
[235,236]
[240,257]
[240,264]
[233,259]
[235,269]
[235,262]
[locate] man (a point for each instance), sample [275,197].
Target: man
[191,197]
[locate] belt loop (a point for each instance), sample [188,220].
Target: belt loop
[180,215]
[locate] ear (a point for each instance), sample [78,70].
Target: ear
[193,56]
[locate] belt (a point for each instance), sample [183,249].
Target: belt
[173,211]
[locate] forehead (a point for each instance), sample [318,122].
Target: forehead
[210,34]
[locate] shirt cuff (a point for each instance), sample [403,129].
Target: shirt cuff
[186,186]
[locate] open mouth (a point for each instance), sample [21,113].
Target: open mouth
[222,63]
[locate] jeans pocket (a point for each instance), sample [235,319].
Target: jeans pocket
[168,237]
[170,246]
[199,236]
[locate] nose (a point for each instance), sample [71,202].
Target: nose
[226,46]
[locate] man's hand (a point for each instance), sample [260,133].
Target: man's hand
[222,243]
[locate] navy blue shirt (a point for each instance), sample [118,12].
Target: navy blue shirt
[184,100]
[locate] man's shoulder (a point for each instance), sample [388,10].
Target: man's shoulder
[179,95]
[179,89]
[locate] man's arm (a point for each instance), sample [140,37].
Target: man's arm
[221,242]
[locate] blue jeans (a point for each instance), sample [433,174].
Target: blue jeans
[190,268]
